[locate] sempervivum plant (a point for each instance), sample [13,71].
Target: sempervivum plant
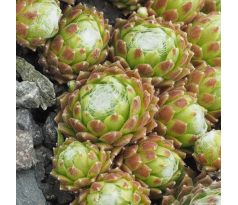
[212,5]
[175,10]
[205,35]
[113,106]
[114,188]
[77,164]
[205,81]
[81,41]
[180,117]
[207,151]
[126,5]
[203,192]
[156,48]
[155,163]
[36,21]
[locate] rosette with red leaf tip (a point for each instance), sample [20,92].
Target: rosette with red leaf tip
[205,35]
[82,41]
[175,10]
[155,163]
[205,81]
[180,117]
[77,164]
[111,105]
[115,187]
[157,48]
[36,21]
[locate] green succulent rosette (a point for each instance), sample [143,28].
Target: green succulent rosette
[175,10]
[158,49]
[205,81]
[82,41]
[205,191]
[110,105]
[180,117]
[114,188]
[155,163]
[36,21]
[205,35]
[207,151]
[126,5]
[212,5]
[77,164]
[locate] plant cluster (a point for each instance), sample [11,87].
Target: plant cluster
[143,97]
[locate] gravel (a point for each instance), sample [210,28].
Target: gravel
[27,95]
[25,153]
[30,74]
[25,121]
[27,191]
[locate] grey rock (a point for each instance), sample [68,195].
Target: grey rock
[43,156]
[46,88]
[27,191]
[27,95]
[25,121]
[25,154]
[50,131]
[18,77]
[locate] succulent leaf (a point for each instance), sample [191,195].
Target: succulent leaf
[212,5]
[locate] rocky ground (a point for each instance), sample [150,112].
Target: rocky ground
[36,133]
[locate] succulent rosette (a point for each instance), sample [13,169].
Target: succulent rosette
[205,35]
[175,10]
[114,188]
[82,41]
[156,48]
[212,5]
[155,163]
[113,106]
[36,21]
[77,164]
[205,81]
[203,192]
[126,5]
[180,117]
[207,151]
